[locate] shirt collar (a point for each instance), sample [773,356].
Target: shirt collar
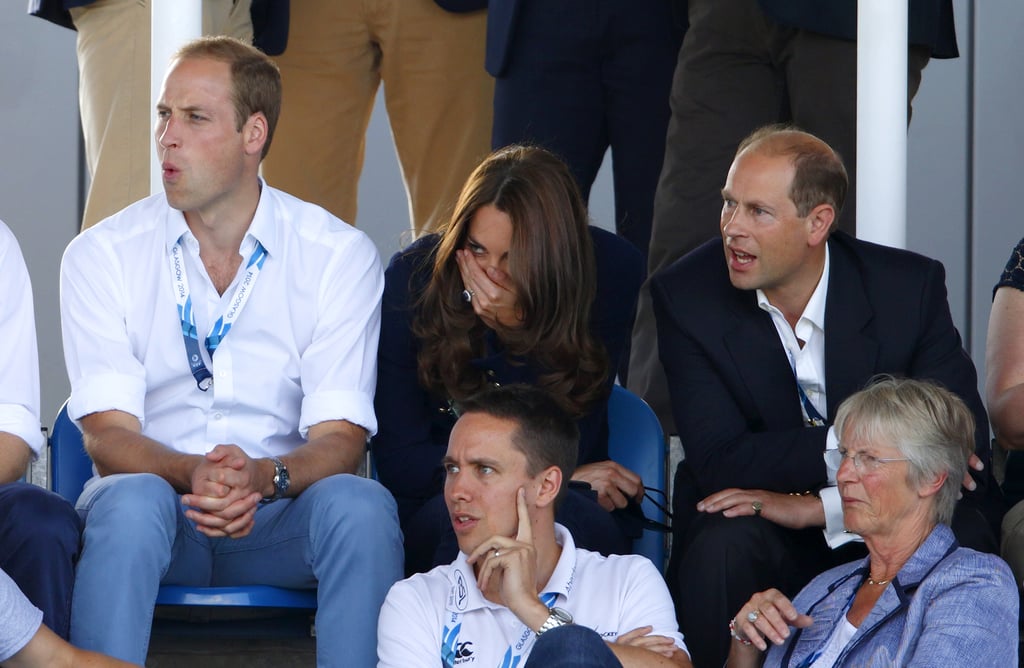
[814,312]
[465,596]
[263,227]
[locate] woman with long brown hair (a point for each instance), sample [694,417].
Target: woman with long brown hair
[518,288]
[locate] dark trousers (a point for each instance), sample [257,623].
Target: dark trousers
[40,535]
[572,647]
[738,70]
[430,541]
[586,75]
[723,561]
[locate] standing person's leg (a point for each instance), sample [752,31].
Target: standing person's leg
[550,93]
[114,94]
[821,77]
[40,535]
[134,528]
[438,97]
[113,97]
[637,81]
[340,535]
[330,72]
[724,87]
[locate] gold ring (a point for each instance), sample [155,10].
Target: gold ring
[757,506]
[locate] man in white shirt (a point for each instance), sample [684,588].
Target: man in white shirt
[760,350]
[520,590]
[222,457]
[39,531]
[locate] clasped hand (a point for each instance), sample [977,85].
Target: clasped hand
[225,493]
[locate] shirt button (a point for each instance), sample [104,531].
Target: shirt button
[217,416]
[222,374]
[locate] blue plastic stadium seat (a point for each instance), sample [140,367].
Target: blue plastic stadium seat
[636,441]
[71,468]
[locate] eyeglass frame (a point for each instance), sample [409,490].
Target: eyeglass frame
[862,462]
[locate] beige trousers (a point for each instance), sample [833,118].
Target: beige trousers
[114,96]
[438,98]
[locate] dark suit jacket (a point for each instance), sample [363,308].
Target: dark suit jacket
[930,21]
[734,396]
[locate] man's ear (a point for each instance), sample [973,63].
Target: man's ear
[550,481]
[254,133]
[821,220]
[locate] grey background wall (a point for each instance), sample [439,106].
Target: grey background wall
[966,158]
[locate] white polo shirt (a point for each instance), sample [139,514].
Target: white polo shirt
[303,349]
[19,619]
[19,362]
[441,617]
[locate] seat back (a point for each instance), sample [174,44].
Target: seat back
[71,467]
[636,441]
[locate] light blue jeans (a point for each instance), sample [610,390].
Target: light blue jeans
[341,535]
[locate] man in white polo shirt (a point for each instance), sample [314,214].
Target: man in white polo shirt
[519,588]
[221,341]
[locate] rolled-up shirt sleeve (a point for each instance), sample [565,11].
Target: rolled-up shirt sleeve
[339,367]
[19,365]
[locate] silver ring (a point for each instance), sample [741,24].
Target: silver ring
[753,616]
[497,553]
[467,295]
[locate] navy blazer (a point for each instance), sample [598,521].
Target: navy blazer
[733,393]
[414,425]
[948,606]
[930,21]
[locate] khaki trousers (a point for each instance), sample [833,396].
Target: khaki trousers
[114,97]
[438,98]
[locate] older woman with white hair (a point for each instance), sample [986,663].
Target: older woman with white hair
[918,598]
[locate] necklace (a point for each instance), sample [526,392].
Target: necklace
[872,581]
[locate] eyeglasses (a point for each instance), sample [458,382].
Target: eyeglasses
[862,462]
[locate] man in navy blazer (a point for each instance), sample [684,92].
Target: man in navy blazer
[759,350]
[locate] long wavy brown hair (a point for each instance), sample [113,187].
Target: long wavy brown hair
[551,265]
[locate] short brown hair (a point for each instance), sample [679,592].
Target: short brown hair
[820,176]
[255,79]
[545,434]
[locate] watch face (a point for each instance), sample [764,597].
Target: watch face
[561,615]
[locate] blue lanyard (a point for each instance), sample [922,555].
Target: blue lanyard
[223,324]
[813,417]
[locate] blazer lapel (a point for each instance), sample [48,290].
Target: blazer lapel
[851,349]
[761,362]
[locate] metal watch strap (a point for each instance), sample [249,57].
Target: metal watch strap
[556,617]
[281,481]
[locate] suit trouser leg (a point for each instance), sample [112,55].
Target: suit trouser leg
[727,560]
[437,93]
[114,94]
[440,103]
[39,542]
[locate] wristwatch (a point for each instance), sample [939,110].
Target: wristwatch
[281,481]
[556,617]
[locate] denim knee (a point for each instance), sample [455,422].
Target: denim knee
[572,646]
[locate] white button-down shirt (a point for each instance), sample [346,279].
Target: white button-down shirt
[19,362]
[303,350]
[808,365]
